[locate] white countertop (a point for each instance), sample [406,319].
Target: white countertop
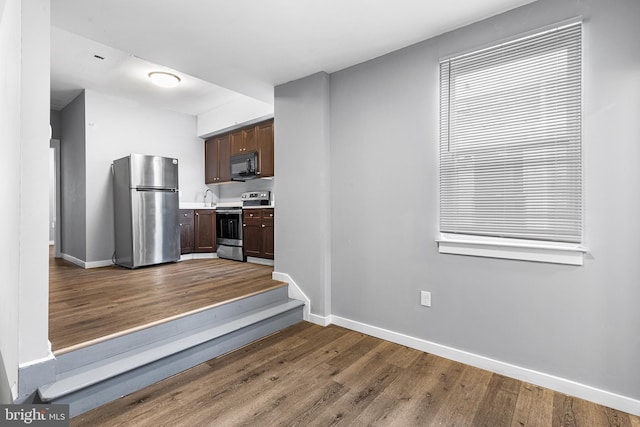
[259,207]
[200,205]
[196,205]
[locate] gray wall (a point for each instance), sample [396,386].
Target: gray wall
[55,118]
[230,192]
[302,224]
[116,128]
[73,180]
[97,129]
[577,323]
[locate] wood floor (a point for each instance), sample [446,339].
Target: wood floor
[308,375]
[88,304]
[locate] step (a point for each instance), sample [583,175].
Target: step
[93,384]
[218,314]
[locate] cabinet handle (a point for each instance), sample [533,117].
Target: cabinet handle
[244,225]
[263,225]
[197,214]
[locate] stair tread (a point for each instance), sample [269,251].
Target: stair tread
[85,376]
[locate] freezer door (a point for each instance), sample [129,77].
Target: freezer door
[153,171]
[156,230]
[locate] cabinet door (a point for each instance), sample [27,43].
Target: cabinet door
[244,140]
[211,161]
[237,144]
[216,160]
[251,232]
[224,161]
[265,149]
[267,234]
[205,230]
[250,139]
[186,231]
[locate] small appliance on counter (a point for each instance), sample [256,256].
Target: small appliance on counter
[255,198]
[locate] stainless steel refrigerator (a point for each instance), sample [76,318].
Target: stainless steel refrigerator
[145,199]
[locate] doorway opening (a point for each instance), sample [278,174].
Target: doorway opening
[54,196]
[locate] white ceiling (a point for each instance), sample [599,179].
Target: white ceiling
[226,49]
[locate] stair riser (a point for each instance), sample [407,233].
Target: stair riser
[216,315]
[137,379]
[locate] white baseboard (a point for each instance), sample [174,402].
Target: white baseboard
[198,255]
[320,320]
[541,379]
[96,264]
[50,356]
[295,293]
[85,264]
[73,260]
[261,261]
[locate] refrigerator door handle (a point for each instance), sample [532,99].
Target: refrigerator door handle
[172,190]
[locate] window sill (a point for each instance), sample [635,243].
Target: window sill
[525,250]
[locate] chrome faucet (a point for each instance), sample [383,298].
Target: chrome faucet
[205,197]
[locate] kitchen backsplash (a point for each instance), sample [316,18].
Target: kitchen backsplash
[230,192]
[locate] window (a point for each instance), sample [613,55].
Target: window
[510,148]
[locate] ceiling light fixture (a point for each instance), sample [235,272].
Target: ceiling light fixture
[164,79]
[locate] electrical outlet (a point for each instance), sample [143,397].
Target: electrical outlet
[425,298]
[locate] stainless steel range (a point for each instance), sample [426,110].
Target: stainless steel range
[255,198]
[229,224]
[229,233]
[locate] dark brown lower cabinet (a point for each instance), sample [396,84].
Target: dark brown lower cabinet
[251,229]
[205,230]
[257,229]
[267,234]
[186,231]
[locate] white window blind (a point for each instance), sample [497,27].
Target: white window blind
[510,139]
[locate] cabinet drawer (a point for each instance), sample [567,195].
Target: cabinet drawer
[268,213]
[186,216]
[249,214]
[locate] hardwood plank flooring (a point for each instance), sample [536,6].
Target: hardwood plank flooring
[307,375]
[89,304]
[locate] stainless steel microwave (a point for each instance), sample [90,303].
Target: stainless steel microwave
[244,166]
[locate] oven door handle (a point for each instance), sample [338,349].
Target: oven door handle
[229,211]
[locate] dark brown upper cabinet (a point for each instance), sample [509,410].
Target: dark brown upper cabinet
[217,154]
[243,141]
[265,149]
[218,150]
